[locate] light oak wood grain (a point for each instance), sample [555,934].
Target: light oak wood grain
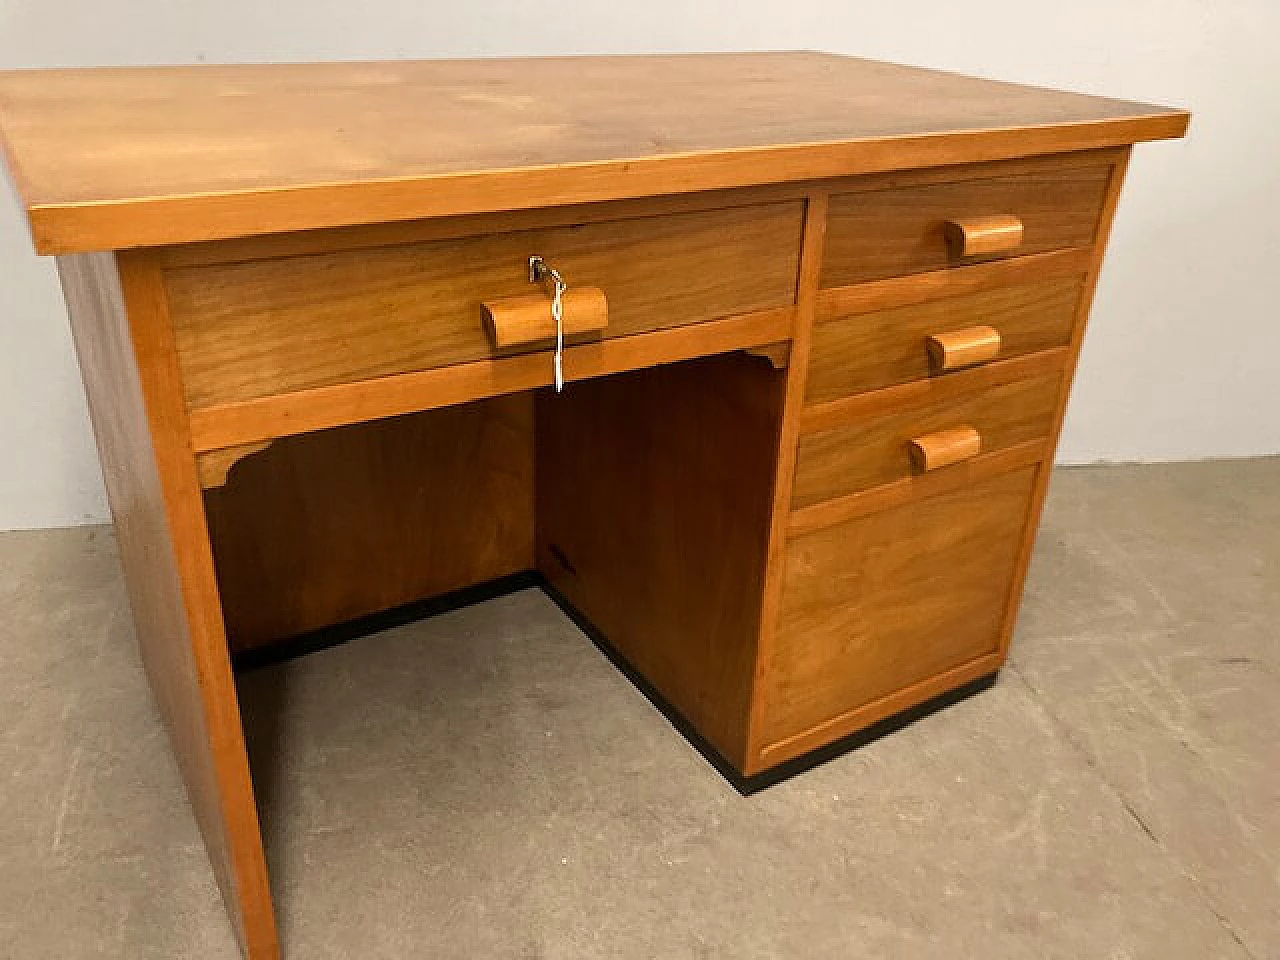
[1107,218]
[330,526]
[655,496]
[944,448]
[323,407]
[966,347]
[878,449]
[365,236]
[906,489]
[984,236]
[394,233]
[788,435]
[260,328]
[238,150]
[863,352]
[778,354]
[883,708]
[905,291]
[130,372]
[527,321]
[215,465]
[878,604]
[888,233]
[935,391]
[907,495]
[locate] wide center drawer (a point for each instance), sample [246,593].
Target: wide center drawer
[873,234]
[883,447]
[273,326]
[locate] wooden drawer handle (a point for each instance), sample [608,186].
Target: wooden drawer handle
[944,448]
[982,236]
[963,348]
[527,320]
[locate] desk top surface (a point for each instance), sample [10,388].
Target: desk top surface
[109,158]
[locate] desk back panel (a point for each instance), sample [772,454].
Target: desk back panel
[329,526]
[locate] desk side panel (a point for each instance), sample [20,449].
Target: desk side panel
[129,371]
[654,492]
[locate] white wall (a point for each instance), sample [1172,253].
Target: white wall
[1180,359]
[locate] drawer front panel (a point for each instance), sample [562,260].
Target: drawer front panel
[876,604]
[893,232]
[266,327]
[856,354]
[878,449]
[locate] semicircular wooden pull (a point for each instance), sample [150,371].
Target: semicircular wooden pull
[984,236]
[944,448]
[963,348]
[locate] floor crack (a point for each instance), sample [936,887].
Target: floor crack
[1064,733]
[1137,818]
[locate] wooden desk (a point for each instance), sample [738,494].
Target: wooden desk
[794,480]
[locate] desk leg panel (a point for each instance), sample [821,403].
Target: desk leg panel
[125,349]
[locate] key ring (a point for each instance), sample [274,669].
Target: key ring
[541,271]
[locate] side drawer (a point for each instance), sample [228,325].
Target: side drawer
[892,232]
[862,352]
[877,448]
[879,603]
[265,327]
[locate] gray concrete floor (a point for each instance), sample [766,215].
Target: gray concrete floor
[485,784]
